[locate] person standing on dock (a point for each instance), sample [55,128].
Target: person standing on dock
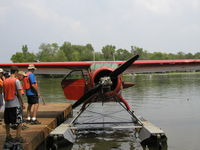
[20,77]
[13,104]
[32,93]
[1,88]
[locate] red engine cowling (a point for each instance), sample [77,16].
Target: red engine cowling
[104,72]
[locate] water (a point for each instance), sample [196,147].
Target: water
[170,101]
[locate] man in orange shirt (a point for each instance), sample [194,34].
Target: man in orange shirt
[13,104]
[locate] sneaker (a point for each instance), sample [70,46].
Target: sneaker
[27,121]
[13,126]
[9,138]
[24,127]
[35,122]
[19,139]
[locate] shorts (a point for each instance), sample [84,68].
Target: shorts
[33,99]
[13,115]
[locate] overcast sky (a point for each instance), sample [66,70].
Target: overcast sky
[155,25]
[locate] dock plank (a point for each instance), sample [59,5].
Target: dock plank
[50,116]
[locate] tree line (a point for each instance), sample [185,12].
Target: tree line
[69,52]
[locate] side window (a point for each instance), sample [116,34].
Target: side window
[74,84]
[77,74]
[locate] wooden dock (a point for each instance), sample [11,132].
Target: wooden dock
[50,115]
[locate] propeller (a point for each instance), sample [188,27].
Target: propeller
[87,95]
[123,67]
[114,74]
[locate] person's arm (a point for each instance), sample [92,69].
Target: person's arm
[20,98]
[33,83]
[19,94]
[35,88]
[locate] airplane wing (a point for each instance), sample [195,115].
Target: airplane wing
[50,67]
[140,66]
[148,66]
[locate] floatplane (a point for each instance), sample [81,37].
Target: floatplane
[98,84]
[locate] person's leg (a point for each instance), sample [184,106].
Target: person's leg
[7,126]
[8,135]
[18,130]
[34,118]
[18,122]
[35,109]
[7,119]
[29,108]
[18,134]
[29,112]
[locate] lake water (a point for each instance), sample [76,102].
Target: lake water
[170,101]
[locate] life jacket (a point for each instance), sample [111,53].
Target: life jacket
[26,81]
[9,86]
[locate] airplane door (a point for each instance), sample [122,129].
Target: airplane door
[74,84]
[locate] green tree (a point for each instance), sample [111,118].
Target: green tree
[122,54]
[141,52]
[98,56]
[159,56]
[75,55]
[180,55]
[17,57]
[24,56]
[189,56]
[77,52]
[171,56]
[48,52]
[197,55]
[87,53]
[60,56]
[24,49]
[67,50]
[109,52]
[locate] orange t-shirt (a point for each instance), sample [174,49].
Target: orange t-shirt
[1,86]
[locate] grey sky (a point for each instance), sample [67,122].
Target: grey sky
[155,25]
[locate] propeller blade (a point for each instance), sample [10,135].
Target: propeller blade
[123,67]
[86,96]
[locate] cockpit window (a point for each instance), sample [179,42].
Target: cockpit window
[77,74]
[101,64]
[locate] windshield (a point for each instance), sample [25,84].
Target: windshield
[101,64]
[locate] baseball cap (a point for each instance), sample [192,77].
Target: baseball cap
[1,70]
[31,66]
[22,73]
